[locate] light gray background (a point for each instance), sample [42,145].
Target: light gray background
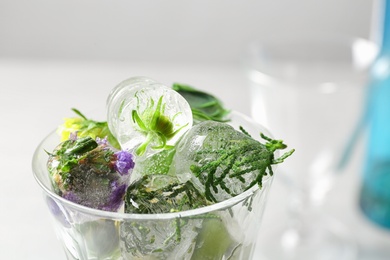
[165,30]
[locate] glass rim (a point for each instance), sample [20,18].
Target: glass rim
[275,62]
[310,37]
[163,216]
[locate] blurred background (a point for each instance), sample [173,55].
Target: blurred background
[55,55]
[165,31]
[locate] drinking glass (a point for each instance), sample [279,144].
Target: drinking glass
[225,230]
[308,89]
[374,197]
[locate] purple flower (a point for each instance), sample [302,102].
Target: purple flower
[73,136]
[116,198]
[124,162]
[57,212]
[71,197]
[102,141]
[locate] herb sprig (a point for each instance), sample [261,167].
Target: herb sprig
[145,196]
[229,158]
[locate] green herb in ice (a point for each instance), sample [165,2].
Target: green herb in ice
[83,127]
[156,126]
[231,162]
[66,157]
[154,194]
[203,105]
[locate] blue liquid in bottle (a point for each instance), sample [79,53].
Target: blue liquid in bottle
[375,191]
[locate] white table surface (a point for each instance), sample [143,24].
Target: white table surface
[36,95]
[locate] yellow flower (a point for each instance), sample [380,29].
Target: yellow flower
[70,125]
[83,127]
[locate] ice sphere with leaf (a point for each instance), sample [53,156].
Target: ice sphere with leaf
[147,116]
[223,162]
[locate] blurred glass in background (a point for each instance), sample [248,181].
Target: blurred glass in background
[375,191]
[308,88]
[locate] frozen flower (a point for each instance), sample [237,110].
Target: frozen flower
[83,127]
[90,174]
[102,141]
[115,201]
[57,212]
[71,197]
[69,127]
[124,162]
[73,136]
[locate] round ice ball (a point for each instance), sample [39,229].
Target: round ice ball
[147,116]
[214,157]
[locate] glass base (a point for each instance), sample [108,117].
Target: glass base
[374,200]
[320,242]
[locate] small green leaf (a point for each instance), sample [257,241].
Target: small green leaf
[204,106]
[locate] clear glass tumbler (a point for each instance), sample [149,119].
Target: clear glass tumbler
[309,88]
[226,230]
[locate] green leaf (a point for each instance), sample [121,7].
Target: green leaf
[204,106]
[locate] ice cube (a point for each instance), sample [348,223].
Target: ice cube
[219,160]
[160,238]
[154,194]
[147,116]
[157,163]
[90,173]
